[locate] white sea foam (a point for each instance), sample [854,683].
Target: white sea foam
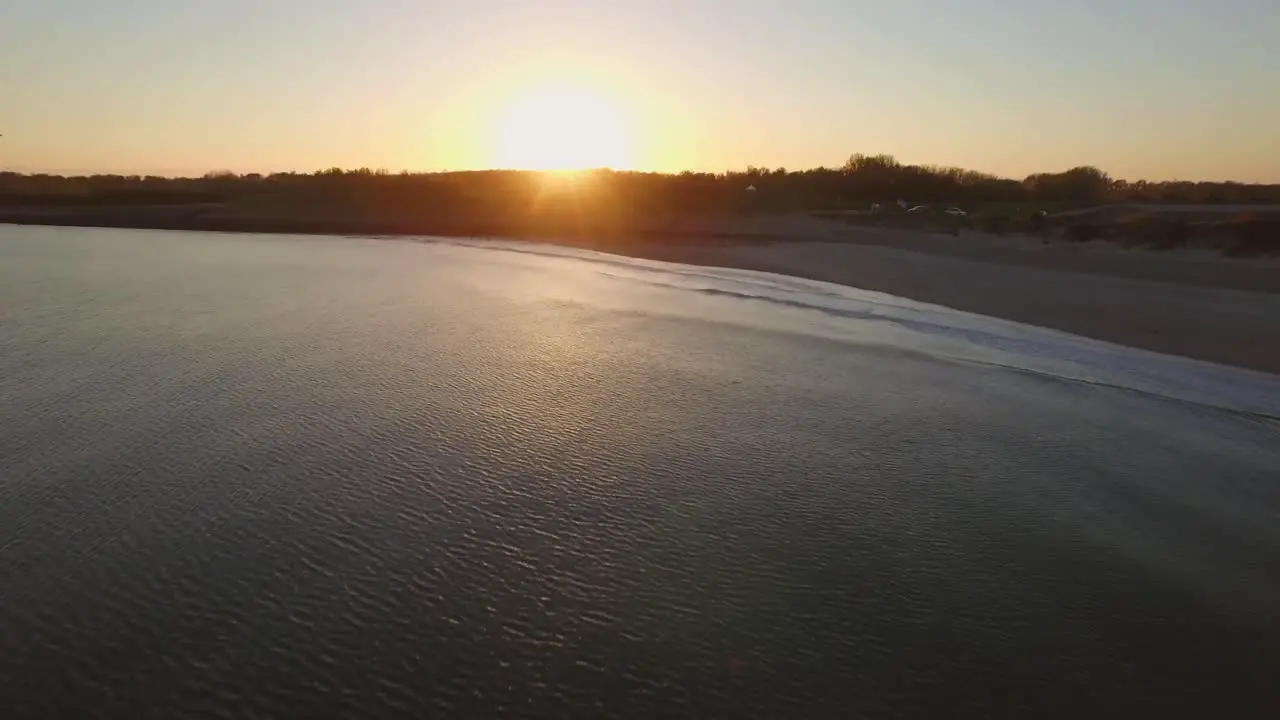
[799,305]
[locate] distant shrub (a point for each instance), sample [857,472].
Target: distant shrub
[1083,232]
[1030,223]
[1150,231]
[1253,235]
[1133,230]
[995,224]
[1174,233]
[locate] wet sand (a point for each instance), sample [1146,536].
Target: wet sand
[1196,305]
[1233,327]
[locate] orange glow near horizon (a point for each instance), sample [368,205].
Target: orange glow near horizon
[562,127]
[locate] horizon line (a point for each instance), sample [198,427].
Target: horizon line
[188,175]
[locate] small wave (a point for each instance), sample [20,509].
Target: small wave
[948,333]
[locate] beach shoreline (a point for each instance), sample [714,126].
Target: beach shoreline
[1216,309]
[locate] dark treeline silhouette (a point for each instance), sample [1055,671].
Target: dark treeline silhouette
[862,179]
[615,206]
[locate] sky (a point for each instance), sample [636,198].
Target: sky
[1155,89]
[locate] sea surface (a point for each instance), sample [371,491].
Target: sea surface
[279,476]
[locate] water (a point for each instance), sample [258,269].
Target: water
[251,476]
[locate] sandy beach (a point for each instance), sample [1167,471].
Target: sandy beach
[1197,305]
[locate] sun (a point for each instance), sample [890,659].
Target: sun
[562,127]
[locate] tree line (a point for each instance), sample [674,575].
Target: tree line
[861,180]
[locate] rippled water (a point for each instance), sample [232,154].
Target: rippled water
[306,477]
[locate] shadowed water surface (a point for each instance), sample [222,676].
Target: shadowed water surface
[307,477]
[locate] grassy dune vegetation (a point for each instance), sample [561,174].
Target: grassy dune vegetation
[606,202]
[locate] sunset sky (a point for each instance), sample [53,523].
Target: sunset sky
[1142,88]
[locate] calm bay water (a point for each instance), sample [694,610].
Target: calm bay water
[253,476]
